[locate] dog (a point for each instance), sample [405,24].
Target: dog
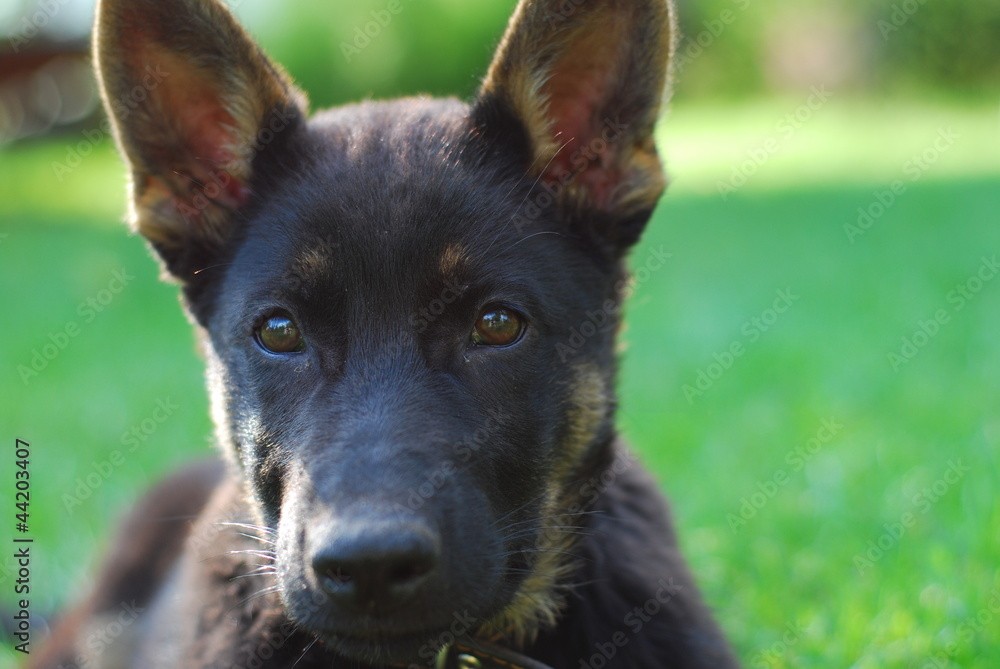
[420,465]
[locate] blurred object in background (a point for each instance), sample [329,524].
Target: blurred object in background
[953,45]
[49,88]
[819,46]
[45,80]
[343,51]
[746,48]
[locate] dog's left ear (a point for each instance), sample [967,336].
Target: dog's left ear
[585,80]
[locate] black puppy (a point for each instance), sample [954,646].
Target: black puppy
[420,460]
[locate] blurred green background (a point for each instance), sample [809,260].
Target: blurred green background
[835,482]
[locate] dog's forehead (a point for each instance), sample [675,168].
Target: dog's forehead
[393,186]
[394,254]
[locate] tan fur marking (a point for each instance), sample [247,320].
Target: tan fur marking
[542,596]
[453,260]
[311,264]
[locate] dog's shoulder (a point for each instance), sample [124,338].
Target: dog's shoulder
[148,545]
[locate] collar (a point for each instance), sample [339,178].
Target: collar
[470,654]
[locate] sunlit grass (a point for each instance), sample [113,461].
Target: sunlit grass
[774,143]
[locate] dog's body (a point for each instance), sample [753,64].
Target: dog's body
[418,455]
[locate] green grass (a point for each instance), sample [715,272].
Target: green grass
[826,359]
[792,565]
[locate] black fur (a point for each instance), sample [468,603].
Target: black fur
[402,485]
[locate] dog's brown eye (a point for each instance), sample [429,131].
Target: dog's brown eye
[280,334]
[498,326]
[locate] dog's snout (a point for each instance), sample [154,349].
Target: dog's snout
[377,568]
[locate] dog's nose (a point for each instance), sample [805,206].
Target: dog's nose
[377,568]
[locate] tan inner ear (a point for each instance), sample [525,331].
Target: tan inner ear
[186,151]
[189,133]
[578,85]
[577,97]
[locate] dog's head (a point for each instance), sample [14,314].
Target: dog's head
[409,308]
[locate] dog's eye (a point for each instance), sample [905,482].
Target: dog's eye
[498,326]
[279,334]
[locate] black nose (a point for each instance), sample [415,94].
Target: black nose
[375,568]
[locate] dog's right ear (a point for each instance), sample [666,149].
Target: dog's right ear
[193,101]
